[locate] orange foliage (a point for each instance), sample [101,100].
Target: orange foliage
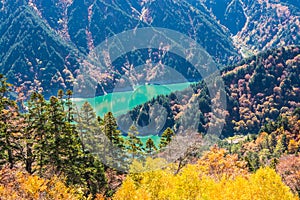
[217,164]
[15,184]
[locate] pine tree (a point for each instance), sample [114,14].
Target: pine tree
[252,159]
[150,146]
[36,133]
[133,144]
[166,137]
[86,123]
[111,131]
[56,126]
[284,142]
[80,166]
[272,142]
[279,149]
[69,106]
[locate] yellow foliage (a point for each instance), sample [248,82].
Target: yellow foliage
[192,183]
[33,186]
[129,191]
[58,190]
[18,185]
[293,146]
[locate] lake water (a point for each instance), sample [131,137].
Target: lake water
[121,102]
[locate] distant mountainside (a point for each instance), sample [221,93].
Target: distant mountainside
[257,25]
[32,56]
[43,43]
[258,90]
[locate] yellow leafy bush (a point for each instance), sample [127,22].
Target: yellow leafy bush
[16,185]
[192,183]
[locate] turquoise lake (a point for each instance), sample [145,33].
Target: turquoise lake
[121,102]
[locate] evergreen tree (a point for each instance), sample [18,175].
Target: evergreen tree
[279,149]
[111,131]
[45,139]
[69,106]
[88,127]
[93,175]
[133,144]
[272,142]
[80,166]
[166,137]
[57,130]
[37,133]
[150,146]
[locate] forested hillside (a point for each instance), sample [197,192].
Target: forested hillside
[46,41]
[44,154]
[43,43]
[258,90]
[233,134]
[258,25]
[32,55]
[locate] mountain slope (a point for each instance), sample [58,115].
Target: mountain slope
[94,20]
[258,90]
[257,25]
[43,42]
[32,55]
[68,31]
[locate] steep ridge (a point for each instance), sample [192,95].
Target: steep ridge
[257,25]
[33,56]
[60,34]
[103,19]
[73,28]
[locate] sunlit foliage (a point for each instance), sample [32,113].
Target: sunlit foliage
[194,183]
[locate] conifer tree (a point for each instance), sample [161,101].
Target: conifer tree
[36,133]
[150,146]
[80,166]
[111,131]
[133,144]
[272,142]
[70,110]
[279,149]
[284,142]
[166,137]
[89,127]
[56,126]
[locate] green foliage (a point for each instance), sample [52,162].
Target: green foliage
[111,130]
[45,140]
[134,145]
[32,54]
[166,137]
[150,146]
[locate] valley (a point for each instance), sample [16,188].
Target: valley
[206,106]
